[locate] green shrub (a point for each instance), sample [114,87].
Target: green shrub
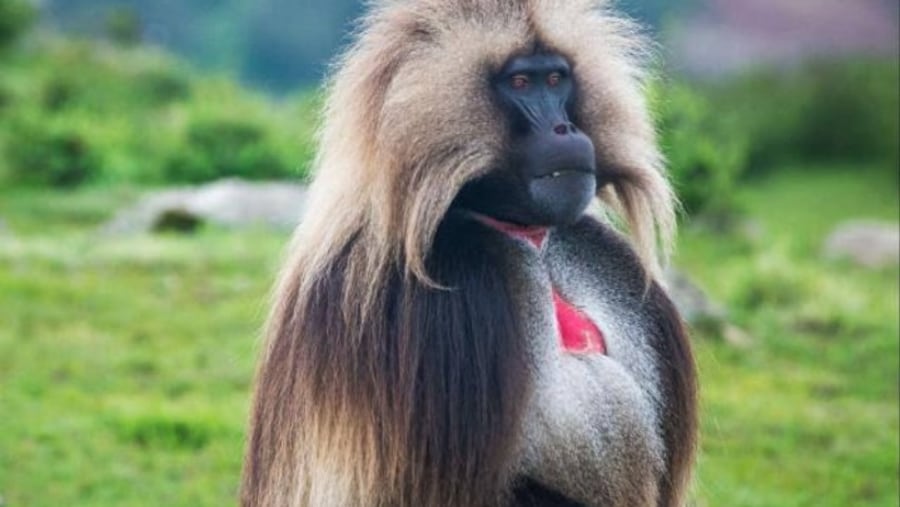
[123,26]
[854,113]
[16,16]
[825,111]
[108,89]
[59,91]
[714,134]
[706,150]
[73,112]
[161,86]
[215,148]
[56,154]
[106,80]
[6,98]
[166,431]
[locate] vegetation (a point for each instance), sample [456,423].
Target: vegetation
[15,18]
[821,112]
[718,134]
[806,414]
[125,363]
[274,44]
[706,150]
[78,112]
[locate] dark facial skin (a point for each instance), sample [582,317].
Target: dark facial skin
[548,177]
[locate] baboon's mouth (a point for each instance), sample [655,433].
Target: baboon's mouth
[532,234]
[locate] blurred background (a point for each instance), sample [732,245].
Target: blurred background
[152,162]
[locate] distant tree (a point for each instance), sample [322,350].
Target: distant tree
[16,17]
[123,26]
[277,45]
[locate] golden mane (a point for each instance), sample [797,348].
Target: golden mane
[408,121]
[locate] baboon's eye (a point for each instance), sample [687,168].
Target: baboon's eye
[554,78]
[519,82]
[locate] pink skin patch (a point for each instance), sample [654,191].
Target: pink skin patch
[577,333]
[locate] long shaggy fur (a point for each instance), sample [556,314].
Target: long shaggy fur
[359,399]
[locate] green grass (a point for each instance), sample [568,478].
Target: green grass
[125,362]
[808,413]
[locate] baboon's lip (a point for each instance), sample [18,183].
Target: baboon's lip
[535,235]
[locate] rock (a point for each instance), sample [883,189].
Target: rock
[145,215]
[228,203]
[238,203]
[752,230]
[692,302]
[868,244]
[736,337]
[701,313]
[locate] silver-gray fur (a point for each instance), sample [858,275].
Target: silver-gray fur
[592,430]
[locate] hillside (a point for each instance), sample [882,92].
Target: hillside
[279,45]
[276,45]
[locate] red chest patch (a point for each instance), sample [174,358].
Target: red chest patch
[578,335]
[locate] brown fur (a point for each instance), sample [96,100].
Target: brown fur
[341,417]
[680,384]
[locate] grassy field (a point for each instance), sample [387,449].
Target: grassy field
[808,413]
[125,362]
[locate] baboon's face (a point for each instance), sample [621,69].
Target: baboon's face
[547,176]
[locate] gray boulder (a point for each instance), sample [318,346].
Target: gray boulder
[702,313]
[692,302]
[866,243]
[229,203]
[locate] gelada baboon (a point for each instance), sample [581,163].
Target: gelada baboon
[454,329]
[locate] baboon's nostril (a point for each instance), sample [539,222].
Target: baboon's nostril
[561,129]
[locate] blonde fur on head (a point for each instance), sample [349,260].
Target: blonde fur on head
[407,122]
